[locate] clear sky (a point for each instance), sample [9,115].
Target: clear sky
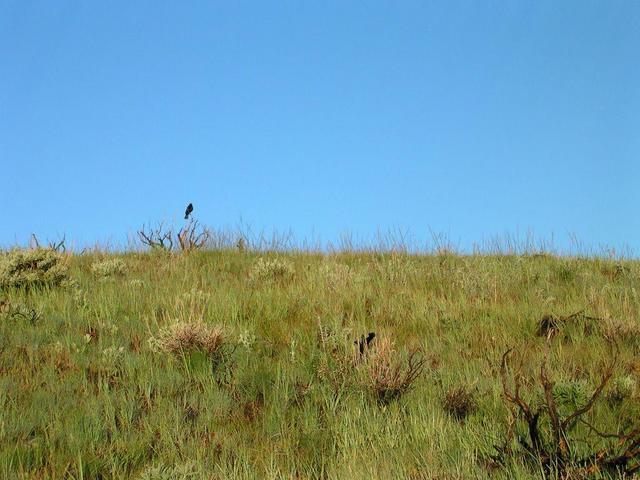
[470,119]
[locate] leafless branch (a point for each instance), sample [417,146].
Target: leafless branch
[193,236]
[159,237]
[554,452]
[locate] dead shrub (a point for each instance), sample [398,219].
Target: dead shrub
[387,375]
[192,236]
[158,237]
[380,369]
[552,433]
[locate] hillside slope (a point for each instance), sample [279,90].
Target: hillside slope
[243,365]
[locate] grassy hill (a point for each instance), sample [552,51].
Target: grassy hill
[229,364]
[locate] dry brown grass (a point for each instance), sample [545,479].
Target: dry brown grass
[189,336]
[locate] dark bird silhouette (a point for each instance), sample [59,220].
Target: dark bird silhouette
[365,341]
[188,211]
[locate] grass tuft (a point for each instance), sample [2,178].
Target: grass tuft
[183,337]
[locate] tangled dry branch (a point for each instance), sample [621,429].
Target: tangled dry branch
[192,236]
[552,446]
[158,237]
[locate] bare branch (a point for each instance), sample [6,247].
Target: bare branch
[554,454]
[193,236]
[157,237]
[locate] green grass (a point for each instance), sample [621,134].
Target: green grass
[86,394]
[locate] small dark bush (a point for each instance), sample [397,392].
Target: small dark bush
[459,403]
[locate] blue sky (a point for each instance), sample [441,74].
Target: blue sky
[470,119]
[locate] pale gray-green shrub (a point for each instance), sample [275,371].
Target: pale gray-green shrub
[623,387]
[108,268]
[271,269]
[32,268]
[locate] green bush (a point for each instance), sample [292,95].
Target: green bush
[32,268]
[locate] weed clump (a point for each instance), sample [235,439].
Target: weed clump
[109,268]
[20,311]
[183,337]
[570,395]
[565,272]
[271,269]
[32,269]
[186,471]
[623,387]
[336,276]
[395,268]
[335,366]
[459,403]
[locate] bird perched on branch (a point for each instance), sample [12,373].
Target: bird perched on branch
[188,211]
